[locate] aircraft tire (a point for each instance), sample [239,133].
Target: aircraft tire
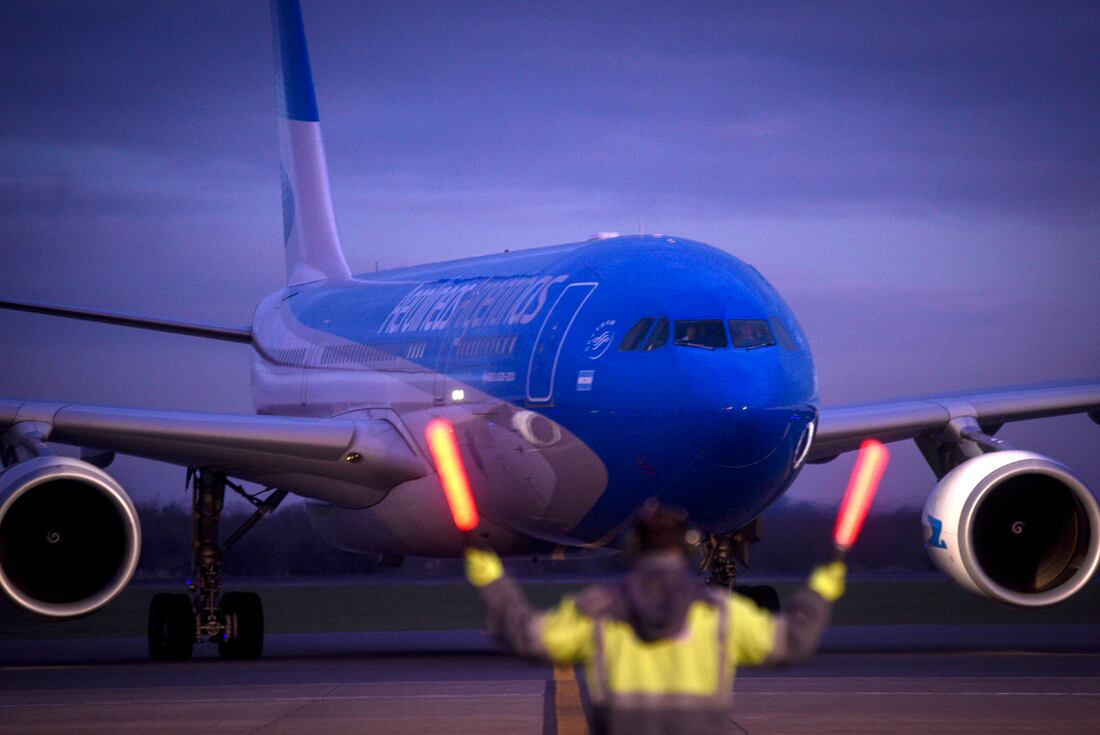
[171,627]
[244,615]
[763,595]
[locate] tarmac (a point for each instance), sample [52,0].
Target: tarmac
[942,679]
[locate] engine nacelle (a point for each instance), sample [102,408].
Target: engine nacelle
[1014,526]
[69,537]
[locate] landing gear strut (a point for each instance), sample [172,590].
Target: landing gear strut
[235,620]
[722,554]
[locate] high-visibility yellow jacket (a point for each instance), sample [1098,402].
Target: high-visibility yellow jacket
[659,650]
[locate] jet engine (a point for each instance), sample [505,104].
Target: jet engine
[1014,526]
[69,536]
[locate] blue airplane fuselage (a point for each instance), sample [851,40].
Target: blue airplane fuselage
[533,346]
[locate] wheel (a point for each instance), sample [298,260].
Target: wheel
[763,595]
[243,614]
[171,626]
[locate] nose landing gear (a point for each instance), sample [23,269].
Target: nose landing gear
[234,620]
[721,555]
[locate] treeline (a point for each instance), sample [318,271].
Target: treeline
[797,535]
[281,545]
[794,537]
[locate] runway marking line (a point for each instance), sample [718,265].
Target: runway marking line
[572,712]
[227,700]
[177,695]
[568,706]
[847,692]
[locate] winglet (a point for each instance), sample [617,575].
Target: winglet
[313,250]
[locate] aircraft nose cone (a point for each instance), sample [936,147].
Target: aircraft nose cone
[742,436]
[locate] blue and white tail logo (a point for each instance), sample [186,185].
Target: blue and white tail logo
[313,250]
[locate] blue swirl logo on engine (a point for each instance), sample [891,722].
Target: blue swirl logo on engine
[935,529]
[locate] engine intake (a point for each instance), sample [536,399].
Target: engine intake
[69,537]
[1014,526]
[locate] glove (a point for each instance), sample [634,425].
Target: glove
[483,567]
[828,580]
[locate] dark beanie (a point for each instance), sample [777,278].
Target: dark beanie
[661,527]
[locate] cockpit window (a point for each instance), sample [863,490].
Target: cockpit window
[633,338]
[750,333]
[658,337]
[707,333]
[784,336]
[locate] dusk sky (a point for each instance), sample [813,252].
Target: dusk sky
[921,182]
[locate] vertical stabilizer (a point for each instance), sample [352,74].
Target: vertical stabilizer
[312,244]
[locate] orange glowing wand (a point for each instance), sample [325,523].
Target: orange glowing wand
[440,434]
[866,476]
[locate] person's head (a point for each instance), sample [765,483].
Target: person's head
[662,528]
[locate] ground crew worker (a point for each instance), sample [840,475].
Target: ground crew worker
[659,647]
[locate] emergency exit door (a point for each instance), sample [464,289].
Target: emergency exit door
[544,355]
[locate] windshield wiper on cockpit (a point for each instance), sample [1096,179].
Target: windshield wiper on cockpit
[685,343]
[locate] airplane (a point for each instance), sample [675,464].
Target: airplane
[582,379]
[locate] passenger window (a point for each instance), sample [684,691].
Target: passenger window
[658,337]
[633,338]
[708,334]
[750,333]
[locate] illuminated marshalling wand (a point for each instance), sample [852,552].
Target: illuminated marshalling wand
[862,487]
[866,476]
[440,434]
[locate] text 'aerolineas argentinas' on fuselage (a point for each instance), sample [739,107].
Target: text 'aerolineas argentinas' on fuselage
[474,302]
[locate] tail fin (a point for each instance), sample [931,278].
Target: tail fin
[309,227]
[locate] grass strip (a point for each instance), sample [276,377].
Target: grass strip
[369,606]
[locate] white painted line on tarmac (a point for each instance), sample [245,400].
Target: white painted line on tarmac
[847,692]
[229,700]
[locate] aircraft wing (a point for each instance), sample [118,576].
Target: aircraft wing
[843,428]
[351,462]
[173,326]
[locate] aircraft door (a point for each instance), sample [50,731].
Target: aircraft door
[551,338]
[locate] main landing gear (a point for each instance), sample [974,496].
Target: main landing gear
[722,554]
[234,620]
